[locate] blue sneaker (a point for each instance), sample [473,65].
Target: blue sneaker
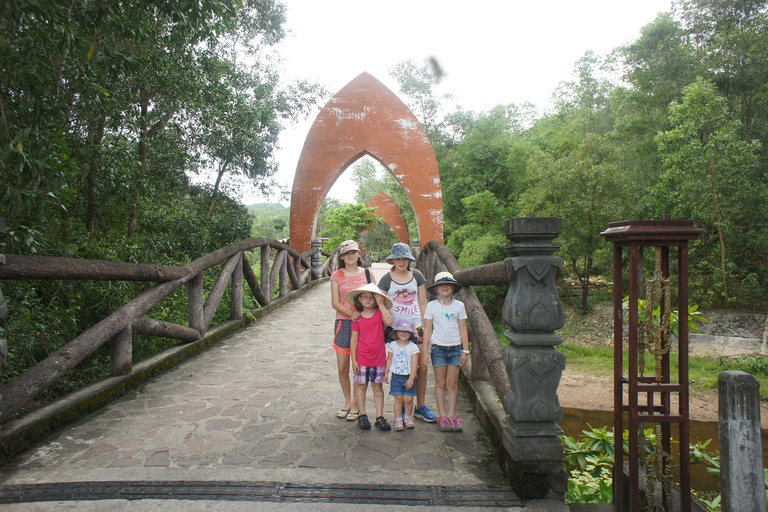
[425,414]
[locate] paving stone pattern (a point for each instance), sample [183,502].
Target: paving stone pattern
[260,405]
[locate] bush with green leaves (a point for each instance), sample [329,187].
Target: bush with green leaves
[589,462]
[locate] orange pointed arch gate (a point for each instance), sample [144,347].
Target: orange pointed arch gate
[366,118]
[390,214]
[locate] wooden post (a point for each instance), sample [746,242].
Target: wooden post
[218,289]
[317,258]
[741,447]
[195,307]
[284,276]
[266,251]
[237,289]
[121,353]
[253,283]
[631,383]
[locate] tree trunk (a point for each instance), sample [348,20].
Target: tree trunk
[95,137]
[585,289]
[222,170]
[720,236]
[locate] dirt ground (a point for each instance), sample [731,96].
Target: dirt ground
[586,391]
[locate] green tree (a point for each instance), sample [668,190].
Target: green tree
[346,221]
[710,175]
[370,182]
[491,157]
[588,189]
[657,66]
[270,221]
[732,39]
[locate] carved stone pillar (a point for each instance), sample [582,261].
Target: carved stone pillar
[533,311]
[317,258]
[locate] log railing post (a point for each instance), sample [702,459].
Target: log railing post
[121,353]
[236,284]
[195,307]
[266,288]
[283,290]
[534,312]
[296,262]
[317,258]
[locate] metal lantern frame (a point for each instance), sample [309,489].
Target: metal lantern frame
[658,389]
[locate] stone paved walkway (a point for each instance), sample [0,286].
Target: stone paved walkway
[259,406]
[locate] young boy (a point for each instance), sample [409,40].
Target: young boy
[403,360]
[445,326]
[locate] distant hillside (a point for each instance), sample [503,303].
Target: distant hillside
[268,207]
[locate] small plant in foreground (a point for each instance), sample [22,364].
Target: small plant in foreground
[589,462]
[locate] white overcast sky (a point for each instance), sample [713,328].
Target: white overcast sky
[492,51]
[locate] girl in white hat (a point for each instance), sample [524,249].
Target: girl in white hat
[445,326]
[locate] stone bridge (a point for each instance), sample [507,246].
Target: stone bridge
[251,423]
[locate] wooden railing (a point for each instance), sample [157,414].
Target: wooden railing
[280,267]
[435,257]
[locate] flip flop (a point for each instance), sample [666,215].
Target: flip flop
[342,414]
[352,416]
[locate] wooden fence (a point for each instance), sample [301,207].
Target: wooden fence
[280,266]
[435,257]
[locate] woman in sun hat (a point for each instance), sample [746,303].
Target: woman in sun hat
[405,286]
[350,275]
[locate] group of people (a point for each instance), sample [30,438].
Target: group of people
[388,327]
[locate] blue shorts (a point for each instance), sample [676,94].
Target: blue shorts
[397,386]
[443,356]
[374,374]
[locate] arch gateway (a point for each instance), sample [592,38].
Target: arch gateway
[366,118]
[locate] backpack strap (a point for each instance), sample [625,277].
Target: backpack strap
[368,275]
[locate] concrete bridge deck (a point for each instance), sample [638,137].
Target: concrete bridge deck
[257,410]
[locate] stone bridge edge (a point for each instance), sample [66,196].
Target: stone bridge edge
[20,434]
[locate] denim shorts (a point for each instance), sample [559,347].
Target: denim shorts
[397,386]
[443,356]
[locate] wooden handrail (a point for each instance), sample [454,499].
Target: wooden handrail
[46,267]
[435,257]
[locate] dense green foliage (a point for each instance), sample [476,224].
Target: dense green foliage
[108,111]
[670,126]
[589,460]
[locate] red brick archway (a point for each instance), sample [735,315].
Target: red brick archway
[366,118]
[390,213]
